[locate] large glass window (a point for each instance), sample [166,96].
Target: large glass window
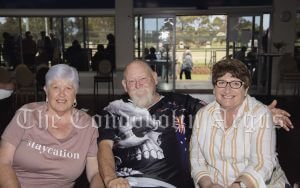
[156,39]
[97,29]
[35,25]
[73,30]
[208,38]
[205,38]
[10,41]
[10,25]
[89,31]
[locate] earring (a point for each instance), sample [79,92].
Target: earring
[75,103]
[47,100]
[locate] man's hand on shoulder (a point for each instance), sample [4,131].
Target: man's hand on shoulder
[280,117]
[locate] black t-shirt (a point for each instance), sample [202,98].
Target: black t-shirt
[152,143]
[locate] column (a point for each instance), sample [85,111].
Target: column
[283,28]
[124,31]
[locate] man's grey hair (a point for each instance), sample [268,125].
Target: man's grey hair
[63,72]
[137,61]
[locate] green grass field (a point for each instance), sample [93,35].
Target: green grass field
[203,77]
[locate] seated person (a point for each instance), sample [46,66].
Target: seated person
[49,144]
[151,56]
[77,57]
[6,89]
[99,55]
[251,62]
[241,54]
[233,139]
[145,137]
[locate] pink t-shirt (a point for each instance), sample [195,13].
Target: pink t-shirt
[40,159]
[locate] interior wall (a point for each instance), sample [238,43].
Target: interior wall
[283,29]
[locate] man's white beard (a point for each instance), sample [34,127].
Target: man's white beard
[144,101]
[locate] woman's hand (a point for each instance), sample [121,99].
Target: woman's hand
[280,117]
[205,182]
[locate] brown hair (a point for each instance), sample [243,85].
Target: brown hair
[233,66]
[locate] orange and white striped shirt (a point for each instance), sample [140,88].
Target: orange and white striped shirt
[245,149]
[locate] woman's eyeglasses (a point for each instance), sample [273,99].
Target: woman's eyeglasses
[232,84]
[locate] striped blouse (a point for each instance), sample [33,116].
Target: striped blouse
[246,149]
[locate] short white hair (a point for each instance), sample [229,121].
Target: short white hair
[64,72]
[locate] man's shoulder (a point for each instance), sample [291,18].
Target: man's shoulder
[172,96]
[178,97]
[183,99]
[115,104]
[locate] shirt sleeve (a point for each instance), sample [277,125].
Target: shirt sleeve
[198,162]
[93,149]
[193,105]
[262,155]
[107,122]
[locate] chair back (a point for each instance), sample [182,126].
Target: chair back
[24,77]
[104,67]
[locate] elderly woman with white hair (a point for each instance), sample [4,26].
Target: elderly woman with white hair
[49,144]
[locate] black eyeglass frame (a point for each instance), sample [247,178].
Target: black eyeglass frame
[230,84]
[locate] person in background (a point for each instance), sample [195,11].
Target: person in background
[151,56]
[233,139]
[76,57]
[8,50]
[49,144]
[29,50]
[146,52]
[99,55]
[111,50]
[45,49]
[241,54]
[187,65]
[145,136]
[251,62]
[57,49]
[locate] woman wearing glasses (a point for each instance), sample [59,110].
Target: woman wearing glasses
[233,139]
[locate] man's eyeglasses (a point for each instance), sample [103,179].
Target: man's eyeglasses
[141,81]
[232,84]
